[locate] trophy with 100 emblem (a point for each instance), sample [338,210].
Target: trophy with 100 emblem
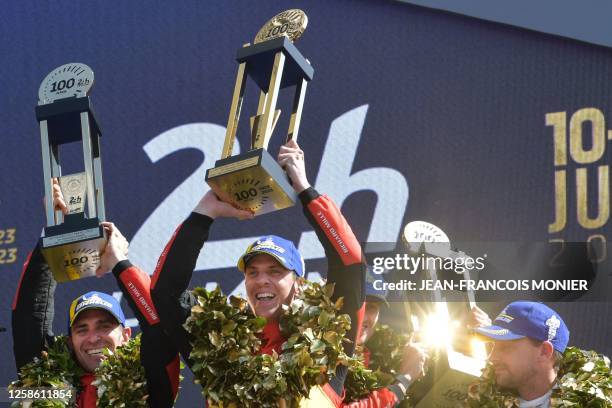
[253,180]
[71,243]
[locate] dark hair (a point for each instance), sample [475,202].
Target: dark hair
[556,356]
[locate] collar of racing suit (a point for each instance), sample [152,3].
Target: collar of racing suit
[88,397]
[271,337]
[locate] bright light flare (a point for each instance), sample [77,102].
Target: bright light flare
[438,330]
[478,349]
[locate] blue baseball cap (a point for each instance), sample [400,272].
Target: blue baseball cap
[279,248]
[528,319]
[95,300]
[373,294]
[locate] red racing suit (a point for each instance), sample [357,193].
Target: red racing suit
[346,269]
[32,321]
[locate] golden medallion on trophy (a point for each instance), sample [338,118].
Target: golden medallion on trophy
[291,24]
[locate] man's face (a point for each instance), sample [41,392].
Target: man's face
[369,321]
[93,331]
[268,286]
[516,362]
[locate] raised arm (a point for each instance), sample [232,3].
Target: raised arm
[176,264]
[32,311]
[346,263]
[158,355]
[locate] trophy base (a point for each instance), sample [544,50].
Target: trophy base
[72,250]
[252,181]
[453,374]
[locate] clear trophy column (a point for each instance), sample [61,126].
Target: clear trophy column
[71,243]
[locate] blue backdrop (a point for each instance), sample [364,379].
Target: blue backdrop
[412,114]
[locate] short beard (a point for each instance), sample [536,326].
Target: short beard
[513,382]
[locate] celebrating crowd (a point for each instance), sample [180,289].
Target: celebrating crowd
[528,340]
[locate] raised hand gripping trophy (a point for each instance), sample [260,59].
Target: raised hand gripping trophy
[253,180]
[460,357]
[71,244]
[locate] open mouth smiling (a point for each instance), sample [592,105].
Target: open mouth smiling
[98,352]
[265,296]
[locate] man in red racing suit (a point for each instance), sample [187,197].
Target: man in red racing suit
[270,279]
[94,325]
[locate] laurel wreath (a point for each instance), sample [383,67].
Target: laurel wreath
[386,349]
[120,378]
[226,344]
[584,380]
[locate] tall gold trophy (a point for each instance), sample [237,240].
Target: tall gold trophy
[71,243]
[253,180]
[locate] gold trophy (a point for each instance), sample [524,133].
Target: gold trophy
[71,243]
[253,180]
[460,355]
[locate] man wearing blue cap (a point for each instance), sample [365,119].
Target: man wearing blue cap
[95,320]
[528,339]
[271,267]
